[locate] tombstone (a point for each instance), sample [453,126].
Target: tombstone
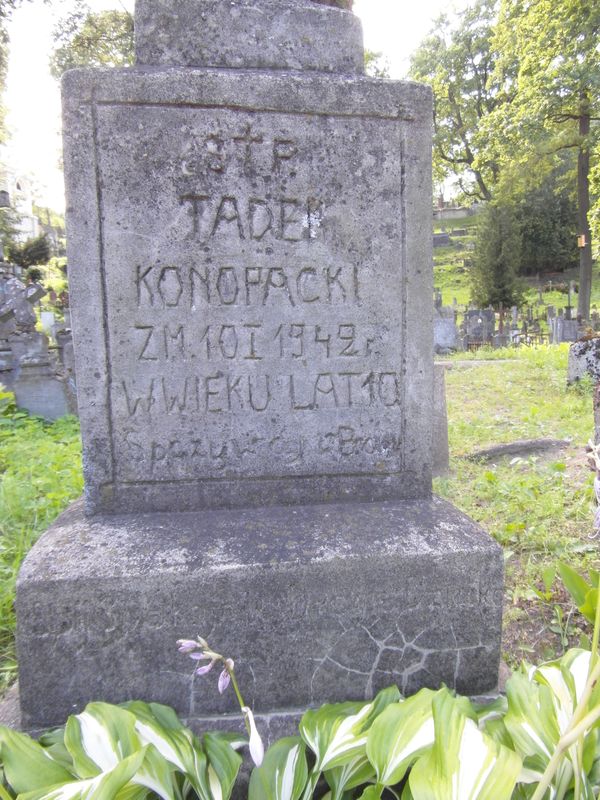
[446,338]
[441,239]
[564,329]
[253,347]
[47,319]
[480,324]
[584,359]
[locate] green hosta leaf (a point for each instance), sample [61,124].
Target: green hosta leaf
[283,773]
[157,774]
[223,765]
[464,763]
[371,793]
[164,731]
[399,735]
[588,608]
[566,679]
[159,725]
[353,773]
[99,737]
[335,733]
[106,786]
[357,769]
[26,763]
[531,722]
[53,743]
[575,584]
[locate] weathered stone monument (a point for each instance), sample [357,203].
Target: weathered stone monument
[249,227]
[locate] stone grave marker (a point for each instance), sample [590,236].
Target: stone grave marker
[249,234]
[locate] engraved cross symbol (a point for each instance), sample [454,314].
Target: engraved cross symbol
[247,140]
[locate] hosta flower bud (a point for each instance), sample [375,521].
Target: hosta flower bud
[206,668]
[224,679]
[186,645]
[257,750]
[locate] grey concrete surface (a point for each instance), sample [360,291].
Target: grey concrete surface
[316,603]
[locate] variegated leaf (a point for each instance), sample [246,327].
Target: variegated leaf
[399,735]
[283,773]
[109,785]
[27,765]
[464,763]
[335,733]
[99,738]
[223,765]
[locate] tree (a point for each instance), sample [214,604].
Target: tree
[457,61]
[87,39]
[547,219]
[554,49]
[497,257]
[376,65]
[30,253]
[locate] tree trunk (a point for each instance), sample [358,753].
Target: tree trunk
[583,203]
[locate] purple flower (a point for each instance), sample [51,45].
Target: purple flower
[204,669]
[199,657]
[186,645]
[224,679]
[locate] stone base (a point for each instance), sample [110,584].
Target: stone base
[315,603]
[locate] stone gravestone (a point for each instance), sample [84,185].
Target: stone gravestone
[249,234]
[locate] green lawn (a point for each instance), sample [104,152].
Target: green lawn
[40,473]
[538,508]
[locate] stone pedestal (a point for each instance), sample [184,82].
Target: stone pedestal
[317,603]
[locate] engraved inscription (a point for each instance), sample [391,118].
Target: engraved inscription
[233,285]
[255,319]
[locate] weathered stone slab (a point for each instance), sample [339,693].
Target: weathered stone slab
[241,321]
[584,359]
[270,34]
[320,603]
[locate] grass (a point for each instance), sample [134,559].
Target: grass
[539,509]
[40,473]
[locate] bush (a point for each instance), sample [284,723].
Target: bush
[34,274]
[32,252]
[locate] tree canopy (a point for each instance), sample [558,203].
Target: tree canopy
[457,61]
[549,52]
[88,39]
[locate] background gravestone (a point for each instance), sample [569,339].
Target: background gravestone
[249,227]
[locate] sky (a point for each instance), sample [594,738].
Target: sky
[393,27]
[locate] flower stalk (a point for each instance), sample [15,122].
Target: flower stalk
[199,650]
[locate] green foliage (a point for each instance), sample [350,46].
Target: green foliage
[457,61]
[117,753]
[88,39]
[552,50]
[32,252]
[548,225]
[432,746]
[497,257]
[376,65]
[583,592]
[40,473]
[35,274]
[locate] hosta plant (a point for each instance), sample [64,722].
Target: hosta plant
[540,742]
